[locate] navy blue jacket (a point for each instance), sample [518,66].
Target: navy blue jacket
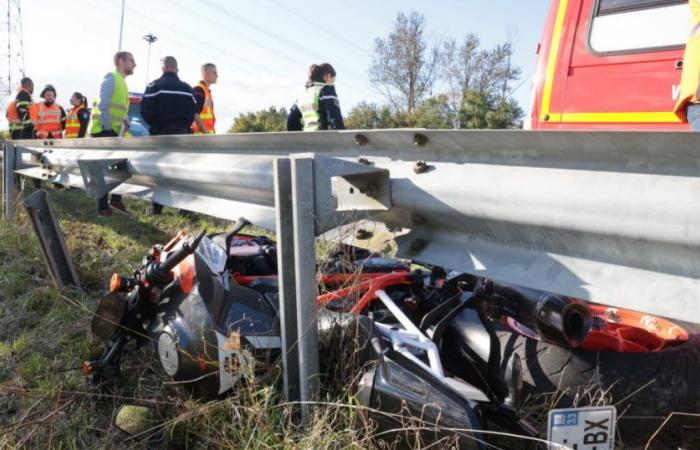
[168,105]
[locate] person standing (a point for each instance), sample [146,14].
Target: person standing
[110,116]
[19,111]
[318,108]
[48,116]
[78,117]
[688,104]
[168,106]
[204,118]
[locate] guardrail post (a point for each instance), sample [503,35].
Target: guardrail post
[286,278]
[8,192]
[305,278]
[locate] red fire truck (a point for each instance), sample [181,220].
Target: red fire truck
[610,64]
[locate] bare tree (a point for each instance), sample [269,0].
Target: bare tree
[403,64]
[460,68]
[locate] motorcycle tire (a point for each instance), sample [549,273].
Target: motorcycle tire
[645,387]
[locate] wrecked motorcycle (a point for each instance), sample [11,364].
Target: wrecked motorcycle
[432,341]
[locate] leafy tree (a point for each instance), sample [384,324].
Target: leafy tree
[271,119]
[465,69]
[4,135]
[403,65]
[432,113]
[366,116]
[484,110]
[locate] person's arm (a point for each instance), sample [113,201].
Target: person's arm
[84,119]
[199,98]
[106,92]
[192,106]
[294,119]
[329,107]
[148,105]
[24,101]
[63,117]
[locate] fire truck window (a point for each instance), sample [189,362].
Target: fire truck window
[623,26]
[612,6]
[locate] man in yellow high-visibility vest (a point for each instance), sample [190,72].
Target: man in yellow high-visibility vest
[110,116]
[688,105]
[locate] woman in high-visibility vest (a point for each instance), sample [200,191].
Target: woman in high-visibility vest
[318,107]
[77,118]
[49,117]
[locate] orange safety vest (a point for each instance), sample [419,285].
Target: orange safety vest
[47,121]
[13,116]
[73,123]
[207,115]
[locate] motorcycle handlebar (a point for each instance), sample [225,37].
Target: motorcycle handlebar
[159,273]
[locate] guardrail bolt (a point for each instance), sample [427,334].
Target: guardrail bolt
[418,245]
[363,234]
[364,161]
[419,140]
[420,167]
[417,219]
[361,139]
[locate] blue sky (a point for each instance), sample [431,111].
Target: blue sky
[262,48]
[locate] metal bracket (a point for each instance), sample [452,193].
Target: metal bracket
[100,176]
[362,192]
[53,246]
[342,186]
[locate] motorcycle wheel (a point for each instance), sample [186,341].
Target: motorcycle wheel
[644,386]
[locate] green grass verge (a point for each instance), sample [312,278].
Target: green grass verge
[44,337]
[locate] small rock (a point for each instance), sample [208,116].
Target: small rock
[133,419]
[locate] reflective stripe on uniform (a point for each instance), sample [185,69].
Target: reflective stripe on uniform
[153,94]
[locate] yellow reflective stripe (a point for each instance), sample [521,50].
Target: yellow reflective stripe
[613,117]
[206,115]
[117,107]
[552,60]
[23,102]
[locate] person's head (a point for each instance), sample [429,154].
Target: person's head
[78,99]
[321,73]
[209,73]
[27,84]
[169,64]
[48,94]
[124,63]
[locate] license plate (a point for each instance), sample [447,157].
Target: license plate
[591,428]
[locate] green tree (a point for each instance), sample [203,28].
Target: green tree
[432,113]
[481,109]
[367,116]
[271,119]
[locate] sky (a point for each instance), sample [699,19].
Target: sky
[262,48]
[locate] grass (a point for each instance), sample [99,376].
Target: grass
[44,337]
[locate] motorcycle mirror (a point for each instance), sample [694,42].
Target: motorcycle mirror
[108,316]
[513,377]
[241,223]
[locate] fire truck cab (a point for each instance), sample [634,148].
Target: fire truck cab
[610,64]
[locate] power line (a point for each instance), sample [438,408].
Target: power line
[318,26]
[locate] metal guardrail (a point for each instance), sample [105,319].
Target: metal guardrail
[610,217]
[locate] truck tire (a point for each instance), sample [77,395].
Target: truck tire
[645,387]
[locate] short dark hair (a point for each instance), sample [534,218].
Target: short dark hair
[122,56]
[25,81]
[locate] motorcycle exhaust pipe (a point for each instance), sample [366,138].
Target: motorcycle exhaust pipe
[560,320]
